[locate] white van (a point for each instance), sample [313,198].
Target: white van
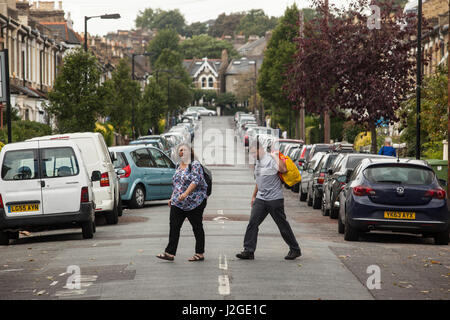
[44,184]
[97,158]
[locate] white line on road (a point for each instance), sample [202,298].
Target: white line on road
[11,270]
[223,264]
[224,285]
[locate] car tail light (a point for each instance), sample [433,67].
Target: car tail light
[104,182]
[1,202]
[362,191]
[84,195]
[436,193]
[321,178]
[127,170]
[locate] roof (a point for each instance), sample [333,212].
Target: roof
[250,46]
[244,65]
[63,31]
[15,89]
[196,66]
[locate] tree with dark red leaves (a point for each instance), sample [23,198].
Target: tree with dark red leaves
[355,64]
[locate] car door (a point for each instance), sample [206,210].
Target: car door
[21,189]
[147,172]
[61,179]
[167,170]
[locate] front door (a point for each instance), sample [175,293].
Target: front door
[21,183]
[61,180]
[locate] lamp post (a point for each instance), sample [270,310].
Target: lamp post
[134,55]
[105,16]
[419,76]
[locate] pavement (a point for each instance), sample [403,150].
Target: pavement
[120,261]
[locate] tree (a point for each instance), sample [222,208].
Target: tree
[160,19]
[165,39]
[226,99]
[353,71]
[152,108]
[77,99]
[206,46]
[123,95]
[195,29]
[226,25]
[256,22]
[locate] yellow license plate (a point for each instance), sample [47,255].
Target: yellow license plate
[400,215]
[24,208]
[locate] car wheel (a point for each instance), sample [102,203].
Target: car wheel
[138,198]
[120,207]
[325,212]
[303,196]
[350,233]
[341,225]
[87,229]
[4,238]
[295,188]
[309,200]
[113,216]
[334,213]
[442,238]
[316,201]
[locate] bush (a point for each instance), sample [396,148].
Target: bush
[107,130]
[23,130]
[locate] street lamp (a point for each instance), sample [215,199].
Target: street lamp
[105,16]
[419,76]
[133,77]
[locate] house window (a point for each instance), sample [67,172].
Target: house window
[211,82]
[27,114]
[203,82]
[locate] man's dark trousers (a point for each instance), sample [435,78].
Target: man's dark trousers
[260,210]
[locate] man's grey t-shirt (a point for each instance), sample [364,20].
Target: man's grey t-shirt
[267,179]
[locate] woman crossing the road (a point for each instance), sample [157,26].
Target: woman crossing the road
[188,200]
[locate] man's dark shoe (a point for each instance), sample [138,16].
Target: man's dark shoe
[246,255]
[293,254]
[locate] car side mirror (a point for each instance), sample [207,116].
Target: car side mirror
[120,172]
[96,176]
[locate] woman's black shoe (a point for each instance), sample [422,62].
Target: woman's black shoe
[246,255]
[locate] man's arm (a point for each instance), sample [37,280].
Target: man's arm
[281,164]
[255,192]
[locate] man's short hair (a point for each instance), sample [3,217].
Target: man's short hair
[388,140]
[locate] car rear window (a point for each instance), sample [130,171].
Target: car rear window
[20,165]
[396,174]
[121,162]
[353,162]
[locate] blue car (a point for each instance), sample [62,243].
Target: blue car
[394,195]
[146,174]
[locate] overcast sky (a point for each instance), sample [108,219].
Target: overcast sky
[193,10]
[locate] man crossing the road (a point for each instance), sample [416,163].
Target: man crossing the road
[267,199]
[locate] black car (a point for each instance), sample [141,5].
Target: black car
[307,174]
[336,177]
[398,195]
[315,185]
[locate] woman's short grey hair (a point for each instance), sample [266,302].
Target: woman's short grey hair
[388,140]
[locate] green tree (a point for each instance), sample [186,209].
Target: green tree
[77,99]
[195,29]
[256,22]
[161,19]
[206,46]
[123,94]
[226,25]
[23,130]
[166,39]
[152,108]
[226,99]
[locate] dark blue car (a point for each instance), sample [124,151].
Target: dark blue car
[394,195]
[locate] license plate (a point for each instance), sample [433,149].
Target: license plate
[24,208]
[400,215]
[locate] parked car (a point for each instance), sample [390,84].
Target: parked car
[319,147]
[245,133]
[336,178]
[307,174]
[295,157]
[45,184]
[283,143]
[315,185]
[253,132]
[394,195]
[148,142]
[97,158]
[146,174]
[202,111]
[182,130]
[165,144]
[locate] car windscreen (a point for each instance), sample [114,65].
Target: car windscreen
[399,174]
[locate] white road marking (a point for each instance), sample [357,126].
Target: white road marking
[11,270]
[69,293]
[54,283]
[224,285]
[223,264]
